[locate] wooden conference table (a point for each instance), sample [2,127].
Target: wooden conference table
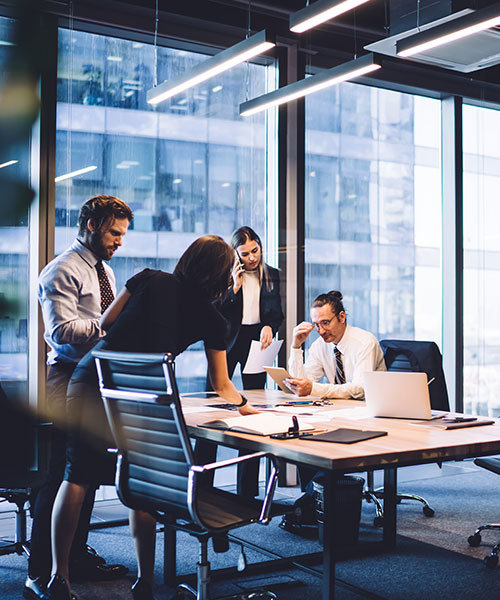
[406,444]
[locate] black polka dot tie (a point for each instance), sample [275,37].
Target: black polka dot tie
[107,295]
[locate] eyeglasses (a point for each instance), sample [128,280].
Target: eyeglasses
[323,324]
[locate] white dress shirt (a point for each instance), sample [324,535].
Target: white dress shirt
[251,297]
[69,294]
[360,352]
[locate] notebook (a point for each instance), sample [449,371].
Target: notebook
[345,436]
[398,395]
[258,424]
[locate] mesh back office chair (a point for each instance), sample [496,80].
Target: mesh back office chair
[491,463]
[155,470]
[417,356]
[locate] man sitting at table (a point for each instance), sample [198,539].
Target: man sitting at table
[342,354]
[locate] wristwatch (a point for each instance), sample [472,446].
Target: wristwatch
[243,401]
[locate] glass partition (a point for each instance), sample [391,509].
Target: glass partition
[481,260]
[373,208]
[14,230]
[189,167]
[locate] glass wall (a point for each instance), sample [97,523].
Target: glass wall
[14,168]
[481,260]
[189,167]
[373,208]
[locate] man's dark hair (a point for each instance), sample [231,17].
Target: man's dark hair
[100,209]
[207,265]
[334,299]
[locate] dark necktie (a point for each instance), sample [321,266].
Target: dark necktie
[339,367]
[107,295]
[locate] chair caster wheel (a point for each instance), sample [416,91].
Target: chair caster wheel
[428,511]
[474,540]
[378,521]
[491,561]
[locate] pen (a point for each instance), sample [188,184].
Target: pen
[295,402]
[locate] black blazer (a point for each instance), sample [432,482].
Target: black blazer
[270,307]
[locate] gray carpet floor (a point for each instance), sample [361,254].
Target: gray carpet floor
[432,559]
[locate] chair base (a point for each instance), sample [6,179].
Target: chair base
[186,592]
[376,495]
[474,540]
[20,544]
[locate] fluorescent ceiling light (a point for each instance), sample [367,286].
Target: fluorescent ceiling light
[115,58]
[319,12]
[450,31]
[6,43]
[298,89]
[252,46]
[75,173]
[8,163]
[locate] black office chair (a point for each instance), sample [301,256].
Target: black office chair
[18,478]
[491,463]
[155,470]
[421,357]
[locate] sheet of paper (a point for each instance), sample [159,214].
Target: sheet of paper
[196,409]
[360,412]
[257,358]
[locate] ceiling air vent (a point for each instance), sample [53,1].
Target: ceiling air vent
[467,54]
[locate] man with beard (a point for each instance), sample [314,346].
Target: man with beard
[74,290]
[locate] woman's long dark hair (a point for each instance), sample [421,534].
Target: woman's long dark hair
[247,234]
[207,264]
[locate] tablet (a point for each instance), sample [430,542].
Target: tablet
[278,374]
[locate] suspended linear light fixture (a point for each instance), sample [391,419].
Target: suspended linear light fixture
[319,12]
[240,52]
[450,31]
[315,83]
[75,173]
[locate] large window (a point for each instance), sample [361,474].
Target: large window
[373,208]
[189,167]
[15,168]
[481,260]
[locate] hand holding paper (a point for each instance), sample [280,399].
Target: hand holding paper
[257,358]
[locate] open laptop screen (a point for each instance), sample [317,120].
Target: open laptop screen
[397,394]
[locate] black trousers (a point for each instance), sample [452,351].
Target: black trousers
[205,451]
[40,560]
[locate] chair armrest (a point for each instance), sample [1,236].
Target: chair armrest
[229,462]
[197,470]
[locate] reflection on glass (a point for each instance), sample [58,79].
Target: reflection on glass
[481,261]
[15,165]
[187,167]
[373,208]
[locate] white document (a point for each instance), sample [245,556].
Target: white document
[257,358]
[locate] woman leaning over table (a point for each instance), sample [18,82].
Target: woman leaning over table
[252,308]
[155,312]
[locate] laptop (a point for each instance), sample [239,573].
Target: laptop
[398,395]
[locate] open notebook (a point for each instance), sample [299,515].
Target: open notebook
[259,424]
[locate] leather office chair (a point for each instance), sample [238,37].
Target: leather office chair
[417,356]
[491,463]
[18,480]
[155,470]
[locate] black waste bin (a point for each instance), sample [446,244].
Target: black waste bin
[346,509]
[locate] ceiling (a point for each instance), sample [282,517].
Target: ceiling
[221,23]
